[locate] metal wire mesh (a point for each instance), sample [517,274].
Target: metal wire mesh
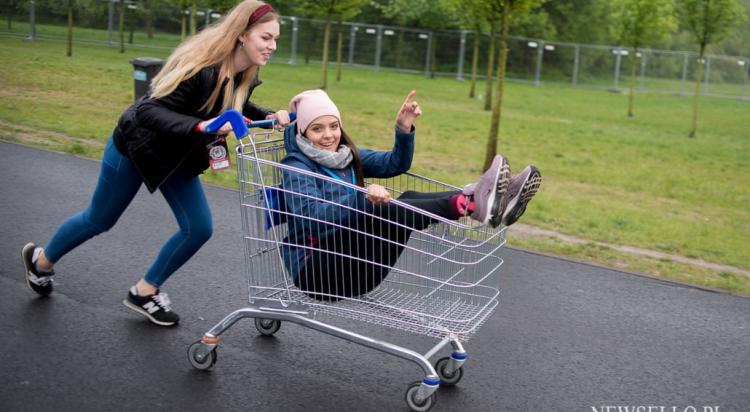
[378,47]
[444,282]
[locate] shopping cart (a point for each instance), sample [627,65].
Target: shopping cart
[443,285]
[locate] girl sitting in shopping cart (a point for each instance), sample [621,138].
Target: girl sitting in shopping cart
[342,242]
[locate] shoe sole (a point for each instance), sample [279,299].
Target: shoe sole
[28,269]
[146,314]
[518,206]
[503,180]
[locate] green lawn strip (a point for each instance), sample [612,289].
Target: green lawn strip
[632,181]
[662,268]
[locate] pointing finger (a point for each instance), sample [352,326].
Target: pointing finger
[410,96]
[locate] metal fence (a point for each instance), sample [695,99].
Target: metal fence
[378,47]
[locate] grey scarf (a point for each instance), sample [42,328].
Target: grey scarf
[334,160]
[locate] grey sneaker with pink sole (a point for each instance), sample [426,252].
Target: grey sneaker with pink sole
[521,189]
[488,192]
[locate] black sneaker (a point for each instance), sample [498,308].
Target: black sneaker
[154,307]
[39,282]
[521,189]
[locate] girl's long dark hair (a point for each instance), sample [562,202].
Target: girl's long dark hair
[356,161]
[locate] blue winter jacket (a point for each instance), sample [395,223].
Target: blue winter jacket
[298,187]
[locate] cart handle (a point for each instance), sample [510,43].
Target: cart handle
[237,120]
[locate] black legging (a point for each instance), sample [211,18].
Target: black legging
[362,260]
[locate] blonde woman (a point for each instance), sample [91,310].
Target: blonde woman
[160,142]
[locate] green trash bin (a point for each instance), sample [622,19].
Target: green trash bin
[144,69]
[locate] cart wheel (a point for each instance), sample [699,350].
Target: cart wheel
[447,379]
[425,405]
[267,327]
[204,364]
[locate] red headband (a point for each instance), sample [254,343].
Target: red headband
[260,12]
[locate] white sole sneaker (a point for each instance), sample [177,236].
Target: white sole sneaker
[517,205]
[39,284]
[146,314]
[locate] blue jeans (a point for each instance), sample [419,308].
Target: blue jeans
[118,184]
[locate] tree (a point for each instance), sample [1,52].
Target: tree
[400,13]
[193,16]
[223,5]
[638,23]
[330,10]
[572,20]
[182,4]
[11,6]
[427,14]
[493,19]
[188,21]
[474,19]
[70,29]
[148,15]
[401,18]
[709,21]
[339,49]
[508,8]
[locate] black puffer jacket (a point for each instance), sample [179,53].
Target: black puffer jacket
[158,134]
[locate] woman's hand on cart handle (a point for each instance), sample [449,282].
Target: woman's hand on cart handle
[272,122]
[281,118]
[229,121]
[378,194]
[203,127]
[234,121]
[408,113]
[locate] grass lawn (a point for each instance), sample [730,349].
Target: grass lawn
[608,178]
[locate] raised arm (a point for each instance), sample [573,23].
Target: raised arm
[398,159]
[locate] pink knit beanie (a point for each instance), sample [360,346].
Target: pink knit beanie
[311,104]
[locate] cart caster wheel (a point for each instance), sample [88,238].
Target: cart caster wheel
[204,364]
[426,403]
[445,378]
[267,327]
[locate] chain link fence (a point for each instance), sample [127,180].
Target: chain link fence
[378,47]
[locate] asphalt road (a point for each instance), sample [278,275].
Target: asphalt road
[566,336]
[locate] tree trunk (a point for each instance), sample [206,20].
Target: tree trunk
[183,28]
[490,69]
[149,20]
[631,96]
[324,63]
[70,29]
[339,51]
[193,15]
[493,139]
[121,9]
[696,95]
[474,64]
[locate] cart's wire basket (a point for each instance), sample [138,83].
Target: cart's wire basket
[442,283]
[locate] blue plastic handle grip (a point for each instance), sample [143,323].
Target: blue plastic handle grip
[237,121]
[270,123]
[234,118]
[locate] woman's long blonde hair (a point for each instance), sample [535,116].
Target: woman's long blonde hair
[213,45]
